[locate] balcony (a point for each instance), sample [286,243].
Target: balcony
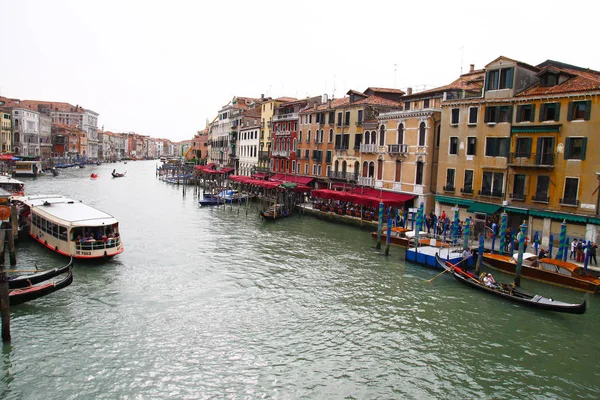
[359,123]
[569,202]
[466,190]
[365,181]
[449,189]
[398,149]
[347,176]
[540,199]
[535,160]
[518,196]
[264,155]
[280,153]
[368,148]
[491,193]
[283,117]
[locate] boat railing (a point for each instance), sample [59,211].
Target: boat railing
[98,244]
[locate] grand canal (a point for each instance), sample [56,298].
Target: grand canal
[215,303]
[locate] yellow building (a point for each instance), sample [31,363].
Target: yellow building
[6,130]
[522,148]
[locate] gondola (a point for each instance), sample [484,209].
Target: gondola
[274,213]
[116,174]
[26,280]
[510,293]
[20,296]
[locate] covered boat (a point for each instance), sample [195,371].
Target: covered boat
[548,270]
[27,280]
[275,212]
[20,296]
[511,293]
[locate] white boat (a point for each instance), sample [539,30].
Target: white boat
[28,168]
[71,228]
[12,185]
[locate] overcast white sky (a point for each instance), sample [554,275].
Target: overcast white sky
[163,68]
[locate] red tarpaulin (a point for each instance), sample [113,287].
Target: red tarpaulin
[301,180]
[366,198]
[260,176]
[227,170]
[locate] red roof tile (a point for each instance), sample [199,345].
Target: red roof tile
[578,80]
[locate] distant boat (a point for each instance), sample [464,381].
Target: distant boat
[116,174]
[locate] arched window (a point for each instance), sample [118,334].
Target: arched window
[422,134]
[398,171]
[419,177]
[365,169]
[367,137]
[281,165]
[295,145]
[437,139]
[371,169]
[308,137]
[379,170]
[382,135]
[344,167]
[330,135]
[400,135]
[336,166]
[356,170]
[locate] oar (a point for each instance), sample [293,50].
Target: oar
[448,269]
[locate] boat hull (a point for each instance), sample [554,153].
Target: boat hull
[20,296]
[513,294]
[506,264]
[23,281]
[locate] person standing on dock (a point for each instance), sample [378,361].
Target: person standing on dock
[593,248]
[573,249]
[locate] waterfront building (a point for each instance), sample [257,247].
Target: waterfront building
[6,130]
[285,134]
[45,136]
[26,123]
[315,144]
[355,156]
[408,160]
[522,147]
[268,107]
[248,141]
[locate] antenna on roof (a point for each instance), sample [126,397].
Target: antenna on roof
[462,53]
[333,91]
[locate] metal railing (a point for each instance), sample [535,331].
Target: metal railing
[540,199]
[466,190]
[518,196]
[281,117]
[531,159]
[98,244]
[449,188]
[569,202]
[280,153]
[491,193]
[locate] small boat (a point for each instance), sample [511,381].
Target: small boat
[28,168]
[547,270]
[511,293]
[275,212]
[211,199]
[20,296]
[94,176]
[12,185]
[233,196]
[116,174]
[26,280]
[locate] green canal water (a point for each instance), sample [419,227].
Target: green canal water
[215,303]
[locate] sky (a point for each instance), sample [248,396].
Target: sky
[164,68]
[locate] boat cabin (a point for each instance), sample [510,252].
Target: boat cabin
[28,168]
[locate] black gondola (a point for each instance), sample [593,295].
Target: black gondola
[23,281]
[511,293]
[274,213]
[20,296]
[116,174]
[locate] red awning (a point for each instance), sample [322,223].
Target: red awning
[210,165]
[369,197]
[301,180]
[227,170]
[260,175]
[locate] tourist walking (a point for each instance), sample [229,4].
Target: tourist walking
[593,248]
[573,249]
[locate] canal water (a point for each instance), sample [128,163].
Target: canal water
[215,303]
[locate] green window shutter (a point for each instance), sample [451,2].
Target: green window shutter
[557,112]
[583,147]
[510,112]
[486,116]
[497,114]
[519,111]
[570,113]
[542,111]
[532,115]
[588,110]
[527,147]
[538,156]
[567,148]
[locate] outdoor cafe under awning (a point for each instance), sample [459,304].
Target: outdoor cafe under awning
[484,208]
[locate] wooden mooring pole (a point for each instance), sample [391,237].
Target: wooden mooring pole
[4,302]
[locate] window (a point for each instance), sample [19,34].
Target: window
[347,119]
[491,184]
[300,137]
[422,134]
[407,105]
[541,189]
[523,147]
[453,149]
[400,135]
[575,148]
[308,137]
[526,112]
[468,184]
[339,119]
[382,135]
[518,192]
[331,117]
[491,114]
[330,136]
[398,171]
[438,136]
[496,147]
[450,172]
[426,103]
[473,115]
[498,114]
[328,156]
[419,177]
[500,79]
[550,112]
[455,114]
[579,110]
[306,169]
[379,170]
[570,193]
[471,145]
[505,114]
[306,153]
[549,79]
[360,117]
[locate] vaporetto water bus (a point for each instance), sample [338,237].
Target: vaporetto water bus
[70,227]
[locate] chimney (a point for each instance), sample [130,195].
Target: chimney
[471,67]
[262,96]
[324,99]
[409,91]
